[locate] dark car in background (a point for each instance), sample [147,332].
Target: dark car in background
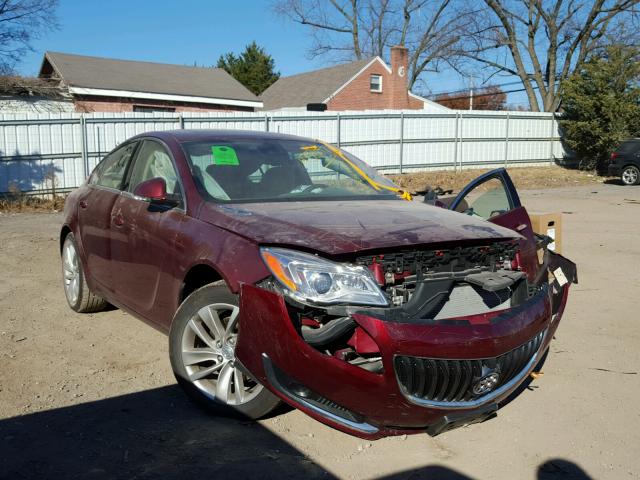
[625,162]
[284,269]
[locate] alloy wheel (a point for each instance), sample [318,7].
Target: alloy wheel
[630,176]
[71,272]
[208,355]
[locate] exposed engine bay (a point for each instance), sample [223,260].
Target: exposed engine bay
[437,284]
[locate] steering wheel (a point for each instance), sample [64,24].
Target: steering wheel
[311,188]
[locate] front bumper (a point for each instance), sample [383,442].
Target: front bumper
[372,405]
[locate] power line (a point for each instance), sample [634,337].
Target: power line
[490,94]
[466,89]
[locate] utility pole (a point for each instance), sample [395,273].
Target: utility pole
[471,99]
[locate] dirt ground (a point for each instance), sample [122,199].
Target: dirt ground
[523,178]
[92,396]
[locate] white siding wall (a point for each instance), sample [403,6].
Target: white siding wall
[35,105]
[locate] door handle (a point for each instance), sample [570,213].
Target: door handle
[118,220]
[83,204]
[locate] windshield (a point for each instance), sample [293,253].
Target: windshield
[249,170]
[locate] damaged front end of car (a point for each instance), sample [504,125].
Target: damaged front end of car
[404,341]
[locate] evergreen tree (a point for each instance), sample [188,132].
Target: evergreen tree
[254,68]
[601,105]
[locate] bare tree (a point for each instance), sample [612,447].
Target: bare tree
[20,22]
[29,87]
[356,29]
[542,42]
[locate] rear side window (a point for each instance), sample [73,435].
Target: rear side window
[629,146]
[111,170]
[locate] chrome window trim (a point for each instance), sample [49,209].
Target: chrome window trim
[102,187]
[504,389]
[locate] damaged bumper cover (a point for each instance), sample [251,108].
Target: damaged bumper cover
[490,354]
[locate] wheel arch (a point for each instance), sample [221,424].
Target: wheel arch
[197,276]
[66,230]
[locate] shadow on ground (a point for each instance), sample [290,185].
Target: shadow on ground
[159,434]
[614,181]
[555,469]
[152,434]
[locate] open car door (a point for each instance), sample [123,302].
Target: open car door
[493,197]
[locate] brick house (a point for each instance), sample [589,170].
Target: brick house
[368,84]
[110,85]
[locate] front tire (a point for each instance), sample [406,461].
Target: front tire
[202,340]
[630,175]
[79,297]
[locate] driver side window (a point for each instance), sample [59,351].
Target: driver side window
[154,161]
[486,200]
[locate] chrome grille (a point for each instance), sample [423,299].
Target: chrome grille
[440,380]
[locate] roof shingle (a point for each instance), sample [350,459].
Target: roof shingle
[160,78]
[310,87]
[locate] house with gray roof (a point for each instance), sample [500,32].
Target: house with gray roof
[111,85]
[367,84]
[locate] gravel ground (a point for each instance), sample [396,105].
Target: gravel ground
[92,396]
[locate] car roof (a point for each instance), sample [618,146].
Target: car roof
[184,136]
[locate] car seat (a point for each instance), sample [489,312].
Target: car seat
[161,166]
[277,181]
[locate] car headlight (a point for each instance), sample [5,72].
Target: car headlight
[310,279]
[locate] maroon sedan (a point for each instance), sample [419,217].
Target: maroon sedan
[283,268]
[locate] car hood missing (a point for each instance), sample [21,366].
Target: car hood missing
[337,227]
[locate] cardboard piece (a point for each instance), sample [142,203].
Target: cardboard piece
[549,224]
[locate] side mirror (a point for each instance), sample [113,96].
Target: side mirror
[430,195]
[152,190]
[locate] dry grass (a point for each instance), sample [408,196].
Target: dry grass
[22,203]
[17,201]
[523,178]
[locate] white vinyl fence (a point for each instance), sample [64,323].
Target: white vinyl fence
[36,148]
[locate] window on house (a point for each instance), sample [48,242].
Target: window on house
[151,109]
[375,83]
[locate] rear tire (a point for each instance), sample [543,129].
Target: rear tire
[630,175]
[202,340]
[79,297]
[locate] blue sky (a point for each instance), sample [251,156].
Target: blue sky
[182,33]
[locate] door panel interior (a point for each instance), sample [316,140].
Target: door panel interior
[493,196]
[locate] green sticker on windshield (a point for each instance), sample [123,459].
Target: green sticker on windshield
[224,155]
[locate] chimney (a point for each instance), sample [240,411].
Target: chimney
[399,97]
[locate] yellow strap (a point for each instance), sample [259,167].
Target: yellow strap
[402,193]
